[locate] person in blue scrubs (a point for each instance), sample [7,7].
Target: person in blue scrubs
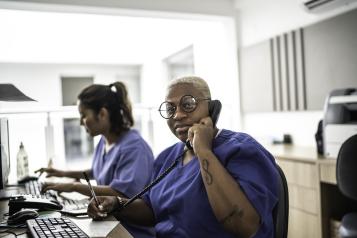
[123,161]
[226,186]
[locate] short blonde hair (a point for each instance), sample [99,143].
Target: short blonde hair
[197,82]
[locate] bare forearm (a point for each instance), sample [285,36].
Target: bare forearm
[99,190]
[77,174]
[230,205]
[138,213]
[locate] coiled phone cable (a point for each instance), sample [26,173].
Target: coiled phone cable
[155,181]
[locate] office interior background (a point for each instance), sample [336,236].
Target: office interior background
[50,50]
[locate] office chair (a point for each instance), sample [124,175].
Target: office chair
[346,177]
[281,209]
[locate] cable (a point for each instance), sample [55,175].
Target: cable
[5,225]
[9,232]
[12,233]
[22,233]
[155,181]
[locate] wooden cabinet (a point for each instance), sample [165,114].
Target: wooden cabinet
[328,171]
[302,180]
[302,224]
[315,203]
[330,57]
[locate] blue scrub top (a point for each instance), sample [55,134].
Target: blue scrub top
[127,168]
[180,202]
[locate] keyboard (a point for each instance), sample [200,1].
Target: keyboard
[70,206]
[54,228]
[34,187]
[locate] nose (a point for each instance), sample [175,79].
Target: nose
[81,122]
[179,114]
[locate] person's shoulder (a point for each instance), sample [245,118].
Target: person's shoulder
[242,147]
[133,140]
[133,133]
[241,141]
[239,137]
[132,136]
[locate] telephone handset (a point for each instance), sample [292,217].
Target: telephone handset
[214,109]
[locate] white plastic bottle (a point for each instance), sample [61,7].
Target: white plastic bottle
[22,163]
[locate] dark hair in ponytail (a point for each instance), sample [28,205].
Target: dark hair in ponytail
[114,97]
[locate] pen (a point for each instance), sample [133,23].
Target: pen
[91,189]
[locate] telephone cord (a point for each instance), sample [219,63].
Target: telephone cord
[155,181]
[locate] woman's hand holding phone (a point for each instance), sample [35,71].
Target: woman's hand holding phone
[201,135]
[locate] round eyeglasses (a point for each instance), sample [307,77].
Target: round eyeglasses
[188,103]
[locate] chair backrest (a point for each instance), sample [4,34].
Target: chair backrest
[281,209]
[346,168]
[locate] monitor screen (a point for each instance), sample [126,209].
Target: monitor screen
[4,152]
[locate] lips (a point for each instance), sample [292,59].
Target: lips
[182,128]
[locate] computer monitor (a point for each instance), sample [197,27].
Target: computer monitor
[4,152]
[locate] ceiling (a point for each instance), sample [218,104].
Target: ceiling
[53,37]
[74,31]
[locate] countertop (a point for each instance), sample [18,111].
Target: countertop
[300,153]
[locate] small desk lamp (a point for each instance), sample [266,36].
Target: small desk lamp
[8,92]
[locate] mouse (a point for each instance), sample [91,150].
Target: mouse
[22,216]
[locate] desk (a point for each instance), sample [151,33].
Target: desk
[119,231]
[333,203]
[316,204]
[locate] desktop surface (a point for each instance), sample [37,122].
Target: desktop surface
[108,228]
[8,192]
[70,205]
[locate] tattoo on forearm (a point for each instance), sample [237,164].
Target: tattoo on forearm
[208,176]
[236,211]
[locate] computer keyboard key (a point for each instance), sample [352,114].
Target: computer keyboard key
[70,206]
[54,227]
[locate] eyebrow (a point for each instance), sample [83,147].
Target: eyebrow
[173,101]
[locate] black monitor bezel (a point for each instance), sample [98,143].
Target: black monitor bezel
[4,162]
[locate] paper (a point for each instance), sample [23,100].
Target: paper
[74,196]
[119,232]
[95,229]
[9,92]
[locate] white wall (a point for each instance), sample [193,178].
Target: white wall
[255,20]
[261,20]
[208,7]
[266,127]
[42,83]
[214,58]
